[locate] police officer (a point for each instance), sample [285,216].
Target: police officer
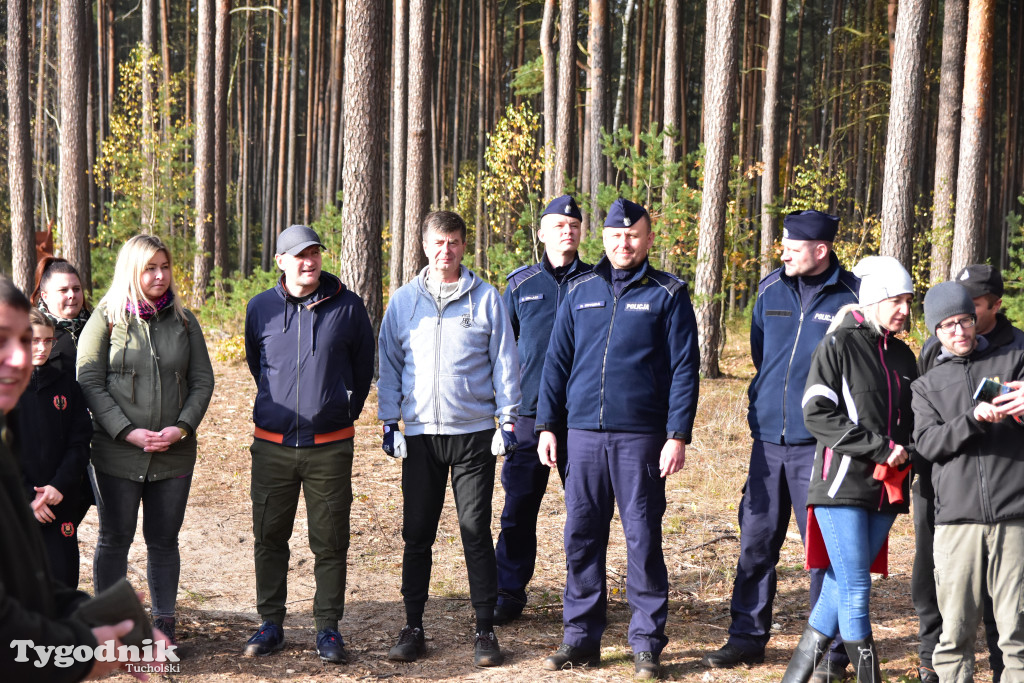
[621,322]
[795,305]
[532,298]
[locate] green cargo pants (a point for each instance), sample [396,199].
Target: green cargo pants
[325,475]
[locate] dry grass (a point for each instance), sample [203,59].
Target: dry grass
[216,603]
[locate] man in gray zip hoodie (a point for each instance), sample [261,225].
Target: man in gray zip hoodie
[448,368]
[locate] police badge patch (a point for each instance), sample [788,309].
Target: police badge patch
[465,322]
[68,529]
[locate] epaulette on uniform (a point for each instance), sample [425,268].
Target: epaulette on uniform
[670,282]
[577,280]
[516,277]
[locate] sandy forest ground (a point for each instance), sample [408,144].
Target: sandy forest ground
[216,603]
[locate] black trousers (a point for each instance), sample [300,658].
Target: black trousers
[922,582]
[467,457]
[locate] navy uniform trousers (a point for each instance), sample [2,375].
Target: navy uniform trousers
[776,485]
[525,479]
[605,467]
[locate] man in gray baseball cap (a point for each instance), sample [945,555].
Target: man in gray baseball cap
[304,438]
[297,239]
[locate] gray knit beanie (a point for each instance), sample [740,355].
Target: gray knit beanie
[945,300]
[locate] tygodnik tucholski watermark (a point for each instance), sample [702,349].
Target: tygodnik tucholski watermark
[152,657]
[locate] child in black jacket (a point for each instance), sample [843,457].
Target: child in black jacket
[52,430]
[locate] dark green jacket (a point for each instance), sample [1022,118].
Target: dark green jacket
[148,375]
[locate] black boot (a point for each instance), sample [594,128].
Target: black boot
[864,658]
[808,652]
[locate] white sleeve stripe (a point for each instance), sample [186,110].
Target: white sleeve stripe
[819,390]
[851,407]
[844,465]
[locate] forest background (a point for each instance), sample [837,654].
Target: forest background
[217,123]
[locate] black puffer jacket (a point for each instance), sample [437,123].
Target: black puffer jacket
[857,405]
[978,467]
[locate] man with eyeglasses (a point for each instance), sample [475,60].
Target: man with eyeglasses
[984,284]
[977,474]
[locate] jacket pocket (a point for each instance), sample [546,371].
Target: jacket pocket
[181,394]
[460,401]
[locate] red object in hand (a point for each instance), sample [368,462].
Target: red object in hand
[892,478]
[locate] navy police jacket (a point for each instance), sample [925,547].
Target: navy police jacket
[622,364]
[532,297]
[782,341]
[312,361]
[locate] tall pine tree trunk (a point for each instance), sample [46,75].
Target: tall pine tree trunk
[364,145]
[73,189]
[564,133]
[673,35]
[719,113]
[19,147]
[547,31]
[417,160]
[222,72]
[947,142]
[769,136]
[904,131]
[204,191]
[969,230]
[399,62]
[598,100]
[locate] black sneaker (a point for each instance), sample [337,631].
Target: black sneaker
[486,651]
[269,638]
[331,647]
[507,612]
[729,656]
[411,645]
[569,656]
[166,626]
[927,674]
[645,665]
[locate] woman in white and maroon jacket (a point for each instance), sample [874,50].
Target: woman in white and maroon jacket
[857,405]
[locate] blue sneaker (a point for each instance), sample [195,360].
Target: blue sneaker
[331,647]
[269,638]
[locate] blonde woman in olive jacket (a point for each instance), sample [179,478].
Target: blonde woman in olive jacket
[147,378]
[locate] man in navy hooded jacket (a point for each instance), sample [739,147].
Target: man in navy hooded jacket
[619,323]
[310,348]
[795,305]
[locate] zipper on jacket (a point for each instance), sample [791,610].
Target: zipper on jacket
[177,378]
[982,484]
[882,347]
[792,353]
[437,363]
[437,356]
[789,366]
[133,384]
[604,359]
[298,365]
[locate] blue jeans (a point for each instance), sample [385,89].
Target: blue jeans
[853,537]
[163,505]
